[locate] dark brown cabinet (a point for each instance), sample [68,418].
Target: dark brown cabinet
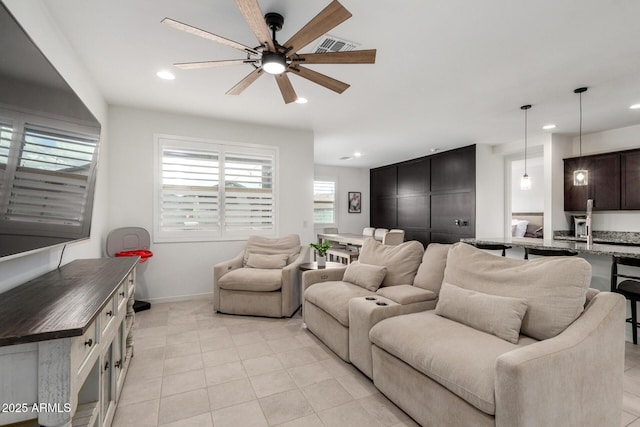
[630,182]
[432,198]
[613,182]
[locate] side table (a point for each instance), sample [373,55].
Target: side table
[314,266]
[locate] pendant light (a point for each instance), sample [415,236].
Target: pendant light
[581,175]
[525,181]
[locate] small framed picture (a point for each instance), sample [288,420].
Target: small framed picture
[355,202]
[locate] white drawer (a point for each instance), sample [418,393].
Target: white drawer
[121,296]
[81,347]
[108,315]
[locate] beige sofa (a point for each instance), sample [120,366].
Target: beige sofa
[262,280]
[411,283]
[510,342]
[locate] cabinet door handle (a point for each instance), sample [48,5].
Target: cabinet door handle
[118,364]
[89,342]
[109,313]
[106,365]
[122,293]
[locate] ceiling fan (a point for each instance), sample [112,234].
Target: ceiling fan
[279,59]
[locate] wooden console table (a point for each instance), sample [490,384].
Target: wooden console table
[66,342]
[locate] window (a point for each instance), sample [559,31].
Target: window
[324,201]
[49,173]
[208,191]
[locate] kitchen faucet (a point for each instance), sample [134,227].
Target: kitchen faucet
[588,223]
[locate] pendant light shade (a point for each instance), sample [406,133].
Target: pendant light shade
[580,175]
[525,181]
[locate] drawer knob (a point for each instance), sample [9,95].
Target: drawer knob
[122,293]
[109,313]
[118,364]
[89,342]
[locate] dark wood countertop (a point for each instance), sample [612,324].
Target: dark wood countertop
[61,303]
[580,247]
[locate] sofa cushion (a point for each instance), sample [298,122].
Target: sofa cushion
[267,261]
[496,315]
[555,287]
[333,298]
[431,270]
[406,294]
[456,356]
[252,279]
[289,245]
[365,275]
[401,260]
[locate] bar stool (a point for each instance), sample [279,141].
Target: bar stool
[492,247]
[548,252]
[629,288]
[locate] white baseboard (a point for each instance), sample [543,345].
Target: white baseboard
[200,297]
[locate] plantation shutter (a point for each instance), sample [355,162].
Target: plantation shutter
[189,199]
[248,193]
[51,181]
[324,200]
[6,133]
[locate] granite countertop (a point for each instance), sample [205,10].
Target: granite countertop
[623,248]
[611,237]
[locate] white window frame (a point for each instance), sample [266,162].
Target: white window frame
[221,148]
[336,202]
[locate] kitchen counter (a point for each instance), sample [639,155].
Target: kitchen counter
[622,248]
[611,237]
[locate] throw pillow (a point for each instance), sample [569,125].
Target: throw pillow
[496,315]
[555,287]
[267,261]
[402,261]
[365,275]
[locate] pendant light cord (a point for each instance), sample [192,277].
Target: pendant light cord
[525,141]
[580,132]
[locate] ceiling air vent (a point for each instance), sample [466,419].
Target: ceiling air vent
[329,43]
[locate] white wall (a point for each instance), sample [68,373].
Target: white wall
[348,179]
[180,270]
[35,19]
[604,142]
[490,192]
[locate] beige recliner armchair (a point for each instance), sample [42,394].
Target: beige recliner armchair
[262,280]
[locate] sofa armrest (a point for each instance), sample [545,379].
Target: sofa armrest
[220,270]
[406,294]
[324,275]
[291,296]
[364,314]
[574,378]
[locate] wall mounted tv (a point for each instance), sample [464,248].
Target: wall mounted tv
[48,150]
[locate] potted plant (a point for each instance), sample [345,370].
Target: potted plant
[321,252]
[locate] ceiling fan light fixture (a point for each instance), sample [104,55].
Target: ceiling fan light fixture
[274,63]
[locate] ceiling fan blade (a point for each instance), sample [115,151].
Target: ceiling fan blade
[330,17]
[244,83]
[252,13]
[209,64]
[288,94]
[321,79]
[207,35]
[350,57]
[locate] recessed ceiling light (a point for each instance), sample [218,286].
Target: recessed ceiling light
[549,126]
[165,75]
[635,107]
[301,100]
[357,154]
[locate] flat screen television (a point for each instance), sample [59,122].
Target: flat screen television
[49,144]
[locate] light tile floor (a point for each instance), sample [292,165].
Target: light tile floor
[193,367]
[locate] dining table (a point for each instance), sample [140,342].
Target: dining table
[351,239]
